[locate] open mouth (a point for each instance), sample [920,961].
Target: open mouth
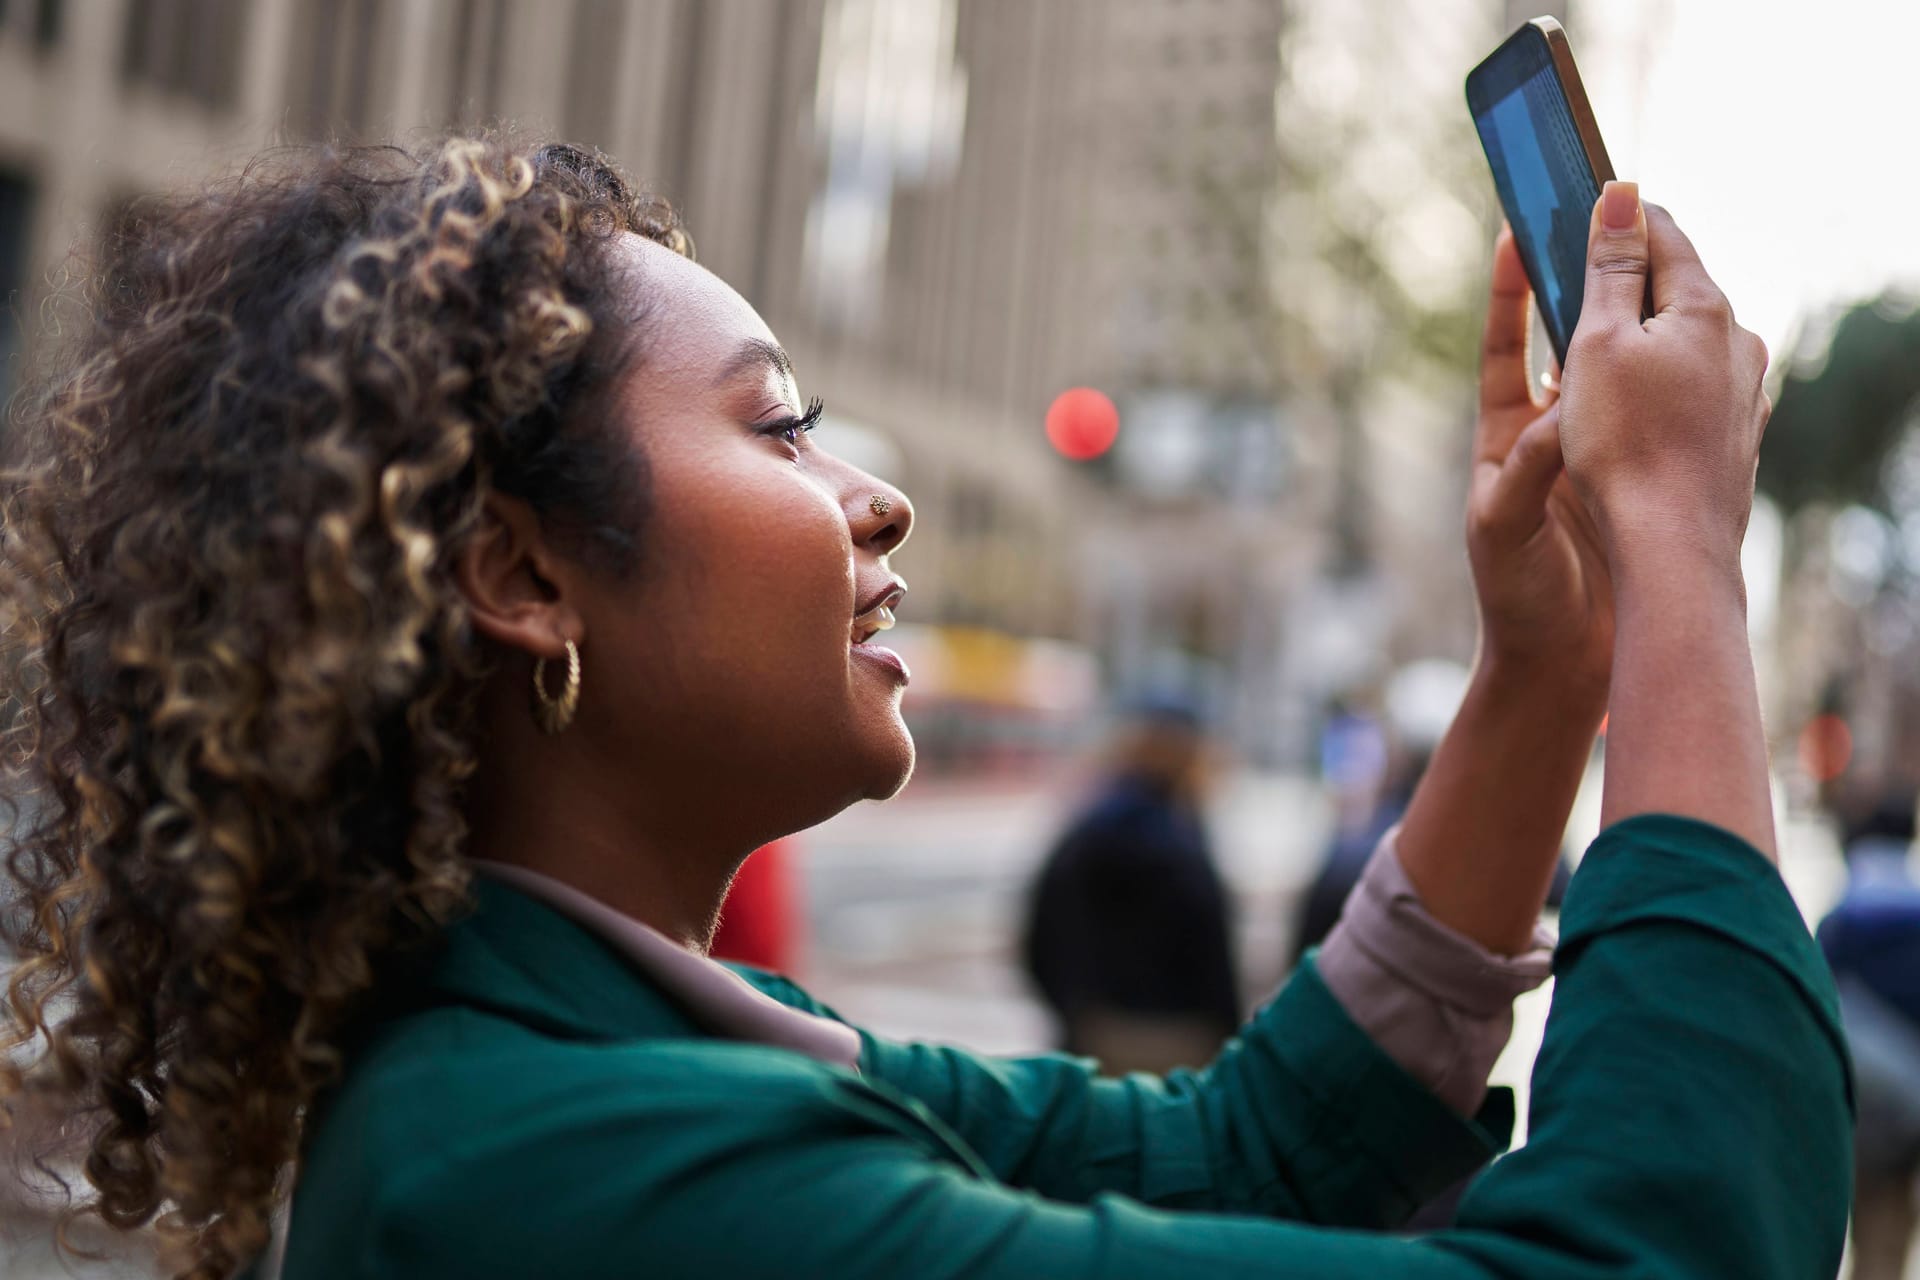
[877,614]
[872,623]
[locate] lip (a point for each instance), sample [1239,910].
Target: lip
[877,614]
[885,658]
[890,595]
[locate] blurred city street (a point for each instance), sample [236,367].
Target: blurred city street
[914,908]
[915,905]
[1165,318]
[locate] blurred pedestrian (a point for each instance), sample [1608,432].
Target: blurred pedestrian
[1129,929]
[1353,760]
[421,592]
[1872,940]
[1420,702]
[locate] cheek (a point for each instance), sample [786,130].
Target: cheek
[731,660]
[788,565]
[765,583]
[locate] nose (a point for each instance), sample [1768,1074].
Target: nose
[880,515]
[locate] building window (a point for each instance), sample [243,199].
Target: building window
[16,225]
[479,50]
[336,46]
[37,20]
[593,67]
[184,48]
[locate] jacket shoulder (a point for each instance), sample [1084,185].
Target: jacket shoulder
[485,1133]
[785,990]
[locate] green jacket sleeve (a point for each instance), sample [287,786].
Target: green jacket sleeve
[1690,1122]
[1301,1116]
[1693,1106]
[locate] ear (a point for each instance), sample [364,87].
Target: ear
[517,587]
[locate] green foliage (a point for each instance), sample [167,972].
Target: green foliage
[1837,420]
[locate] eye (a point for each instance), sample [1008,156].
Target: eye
[792,428]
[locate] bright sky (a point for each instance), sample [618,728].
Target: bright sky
[1781,134]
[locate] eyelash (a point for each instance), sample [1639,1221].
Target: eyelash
[791,429]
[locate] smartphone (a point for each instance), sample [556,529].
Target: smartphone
[1548,163]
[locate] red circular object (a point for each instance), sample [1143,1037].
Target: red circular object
[1082,423]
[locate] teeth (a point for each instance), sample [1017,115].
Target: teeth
[872,622]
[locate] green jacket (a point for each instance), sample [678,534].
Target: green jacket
[539,1110]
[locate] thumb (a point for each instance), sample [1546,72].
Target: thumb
[1616,258]
[1517,499]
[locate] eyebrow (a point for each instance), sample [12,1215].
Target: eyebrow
[756,353]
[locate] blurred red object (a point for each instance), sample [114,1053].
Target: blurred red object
[760,921]
[1082,423]
[1826,747]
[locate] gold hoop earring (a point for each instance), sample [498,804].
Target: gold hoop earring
[556,713]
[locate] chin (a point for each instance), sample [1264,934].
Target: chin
[893,772]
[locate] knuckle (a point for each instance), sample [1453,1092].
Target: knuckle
[1711,304]
[1609,260]
[1594,340]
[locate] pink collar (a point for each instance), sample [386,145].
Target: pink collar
[718,998]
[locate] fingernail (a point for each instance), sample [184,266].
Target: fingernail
[1620,205]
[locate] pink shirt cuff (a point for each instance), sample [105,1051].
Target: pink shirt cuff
[1435,1001]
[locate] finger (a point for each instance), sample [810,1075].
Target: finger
[1516,502]
[1550,380]
[1680,279]
[1617,262]
[1503,346]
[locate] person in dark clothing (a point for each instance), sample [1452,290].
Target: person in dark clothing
[1129,935]
[1873,933]
[1420,703]
[1872,941]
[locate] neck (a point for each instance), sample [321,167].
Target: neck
[546,804]
[679,902]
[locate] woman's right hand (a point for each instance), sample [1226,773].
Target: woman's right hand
[1660,419]
[1660,424]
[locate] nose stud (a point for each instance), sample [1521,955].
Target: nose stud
[880,504]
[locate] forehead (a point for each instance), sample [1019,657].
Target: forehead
[694,321]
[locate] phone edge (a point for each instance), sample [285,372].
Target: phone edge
[1576,94]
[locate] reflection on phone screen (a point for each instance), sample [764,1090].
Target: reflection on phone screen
[1548,190]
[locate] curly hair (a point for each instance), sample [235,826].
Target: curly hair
[241,682]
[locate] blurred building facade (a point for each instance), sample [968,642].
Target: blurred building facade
[1382,226]
[1049,196]
[951,211]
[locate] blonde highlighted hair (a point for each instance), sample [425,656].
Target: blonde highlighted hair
[240,682]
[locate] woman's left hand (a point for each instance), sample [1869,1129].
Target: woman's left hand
[1546,601]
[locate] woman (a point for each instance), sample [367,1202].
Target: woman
[423,591]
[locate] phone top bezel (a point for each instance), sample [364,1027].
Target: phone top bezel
[1516,58]
[1546,40]
[1533,46]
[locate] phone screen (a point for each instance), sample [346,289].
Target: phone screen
[1540,169]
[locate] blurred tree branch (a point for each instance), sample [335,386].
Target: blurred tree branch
[1841,414]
